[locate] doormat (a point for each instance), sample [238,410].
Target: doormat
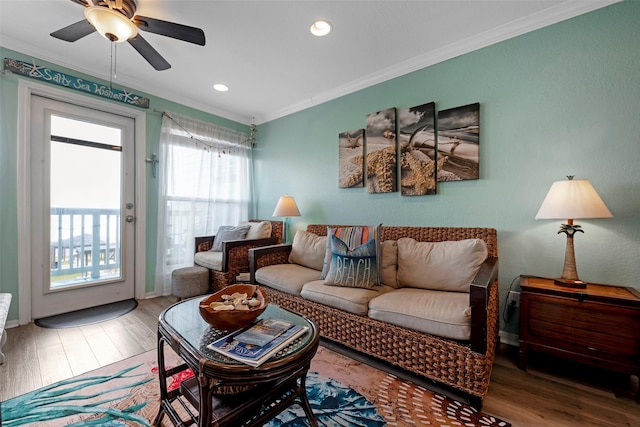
[343,393]
[88,316]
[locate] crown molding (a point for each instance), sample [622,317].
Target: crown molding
[555,14]
[545,18]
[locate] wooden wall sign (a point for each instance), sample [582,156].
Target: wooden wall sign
[65,80]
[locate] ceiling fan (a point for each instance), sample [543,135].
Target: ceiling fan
[116,21]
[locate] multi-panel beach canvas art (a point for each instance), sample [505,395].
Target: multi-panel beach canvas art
[350,159]
[381,151]
[426,150]
[459,143]
[417,139]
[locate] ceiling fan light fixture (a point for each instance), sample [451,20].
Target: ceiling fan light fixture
[112,25]
[320,28]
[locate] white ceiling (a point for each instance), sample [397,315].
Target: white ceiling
[264,52]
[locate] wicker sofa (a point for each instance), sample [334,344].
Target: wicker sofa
[463,364]
[234,255]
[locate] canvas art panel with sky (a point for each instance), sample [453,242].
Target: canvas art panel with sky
[381,151]
[417,141]
[350,159]
[459,142]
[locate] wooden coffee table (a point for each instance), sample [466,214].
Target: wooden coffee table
[235,394]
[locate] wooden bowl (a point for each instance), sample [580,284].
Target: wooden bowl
[231,320]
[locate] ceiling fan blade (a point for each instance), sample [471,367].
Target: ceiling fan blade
[74,31]
[170,29]
[149,53]
[84,3]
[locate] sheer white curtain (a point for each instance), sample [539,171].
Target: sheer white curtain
[204,176]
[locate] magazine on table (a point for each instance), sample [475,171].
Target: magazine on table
[257,343]
[263,332]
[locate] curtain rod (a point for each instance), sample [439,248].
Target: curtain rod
[211,145]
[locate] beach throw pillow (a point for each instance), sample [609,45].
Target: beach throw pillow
[308,249]
[354,268]
[353,236]
[227,233]
[443,266]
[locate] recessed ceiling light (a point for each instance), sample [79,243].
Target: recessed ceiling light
[320,28]
[220,87]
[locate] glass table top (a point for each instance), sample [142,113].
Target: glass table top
[184,318]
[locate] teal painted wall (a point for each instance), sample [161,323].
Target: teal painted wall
[8,169]
[563,100]
[558,101]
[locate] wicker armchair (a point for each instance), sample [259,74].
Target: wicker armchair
[235,255]
[462,365]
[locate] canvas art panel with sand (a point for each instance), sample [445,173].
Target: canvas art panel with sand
[381,151]
[350,156]
[417,141]
[459,142]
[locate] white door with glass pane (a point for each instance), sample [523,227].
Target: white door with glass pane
[82,207]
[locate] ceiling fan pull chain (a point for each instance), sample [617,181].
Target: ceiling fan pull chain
[111,68]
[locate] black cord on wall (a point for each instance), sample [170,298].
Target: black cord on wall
[509,309]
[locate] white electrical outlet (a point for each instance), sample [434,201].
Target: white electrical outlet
[513,297]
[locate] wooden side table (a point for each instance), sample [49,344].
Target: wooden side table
[599,325]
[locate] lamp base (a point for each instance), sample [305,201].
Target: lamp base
[570,283]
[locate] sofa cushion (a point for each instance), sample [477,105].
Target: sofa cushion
[389,263]
[445,314]
[287,278]
[308,249]
[257,230]
[353,300]
[211,260]
[355,268]
[353,236]
[228,233]
[446,266]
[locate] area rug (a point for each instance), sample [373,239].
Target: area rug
[88,316]
[342,391]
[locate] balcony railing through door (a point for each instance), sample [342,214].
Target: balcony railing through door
[85,246]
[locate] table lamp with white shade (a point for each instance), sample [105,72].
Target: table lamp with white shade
[572,199]
[286,208]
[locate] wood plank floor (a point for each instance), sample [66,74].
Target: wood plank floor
[551,393]
[38,356]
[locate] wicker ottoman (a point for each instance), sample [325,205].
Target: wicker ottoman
[189,282]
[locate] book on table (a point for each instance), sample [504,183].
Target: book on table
[243,277]
[257,343]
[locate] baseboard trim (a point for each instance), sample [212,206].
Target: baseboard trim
[509,338]
[11,324]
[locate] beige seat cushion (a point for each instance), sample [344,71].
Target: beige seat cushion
[210,259]
[353,300]
[287,278]
[445,266]
[445,314]
[308,250]
[257,230]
